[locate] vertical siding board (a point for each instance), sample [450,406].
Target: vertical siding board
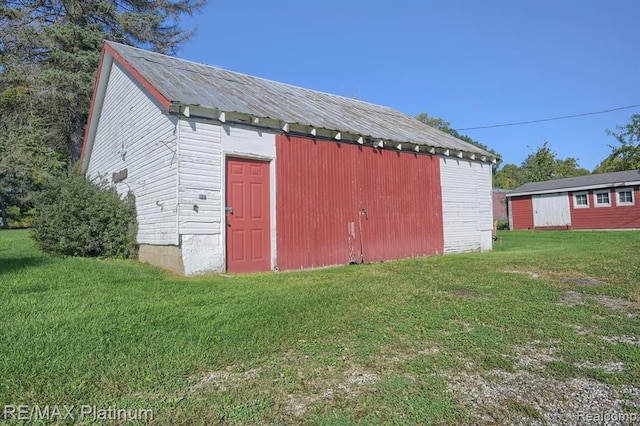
[466,204]
[322,188]
[522,212]
[551,210]
[134,134]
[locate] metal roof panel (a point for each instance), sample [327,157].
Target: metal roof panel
[605,179]
[191,83]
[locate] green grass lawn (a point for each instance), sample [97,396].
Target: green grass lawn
[376,344]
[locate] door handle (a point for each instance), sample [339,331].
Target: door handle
[228,210]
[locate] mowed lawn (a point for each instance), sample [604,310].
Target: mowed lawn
[475,338]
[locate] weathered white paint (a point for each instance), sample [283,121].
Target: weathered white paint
[256,144]
[202,254]
[199,196]
[204,145]
[551,209]
[466,205]
[510,212]
[132,133]
[200,178]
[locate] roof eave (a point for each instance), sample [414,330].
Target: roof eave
[575,188]
[309,130]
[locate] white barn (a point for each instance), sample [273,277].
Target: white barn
[237,173]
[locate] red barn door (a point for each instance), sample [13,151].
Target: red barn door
[341,203]
[248,216]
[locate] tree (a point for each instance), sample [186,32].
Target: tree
[49,53]
[540,165]
[569,167]
[445,126]
[509,176]
[626,156]
[57,44]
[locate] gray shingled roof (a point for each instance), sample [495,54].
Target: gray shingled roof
[630,177]
[202,85]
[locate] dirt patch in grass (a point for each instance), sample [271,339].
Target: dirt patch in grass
[533,275]
[297,393]
[615,303]
[609,367]
[630,340]
[225,379]
[529,396]
[534,355]
[522,397]
[584,281]
[464,293]
[574,298]
[348,384]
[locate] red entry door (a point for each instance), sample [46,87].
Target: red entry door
[247,216]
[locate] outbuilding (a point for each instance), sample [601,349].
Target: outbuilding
[237,173]
[599,201]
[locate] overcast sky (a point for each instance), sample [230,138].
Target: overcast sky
[473,63]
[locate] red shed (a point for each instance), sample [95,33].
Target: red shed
[600,201]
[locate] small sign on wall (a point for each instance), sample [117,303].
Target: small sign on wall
[119,176]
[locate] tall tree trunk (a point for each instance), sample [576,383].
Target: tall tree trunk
[3,213]
[77,138]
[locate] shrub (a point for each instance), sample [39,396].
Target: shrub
[77,217]
[19,218]
[503,225]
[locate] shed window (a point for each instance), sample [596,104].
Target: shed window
[580,200]
[625,197]
[602,198]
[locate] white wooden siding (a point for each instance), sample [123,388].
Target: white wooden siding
[466,205]
[203,148]
[551,209]
[134,134]
[200,179]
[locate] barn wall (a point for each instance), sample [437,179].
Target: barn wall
[341,203]
[466,205]
[521,212]
[135,136]
[499,201]
[607,217]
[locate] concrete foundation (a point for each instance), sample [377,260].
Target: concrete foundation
[166,257]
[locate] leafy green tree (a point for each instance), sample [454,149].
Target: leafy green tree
[49,53]
[626,156]
[26,162]
[445,126]
[509,176]
[540,165]
[57,45]
[569,167]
